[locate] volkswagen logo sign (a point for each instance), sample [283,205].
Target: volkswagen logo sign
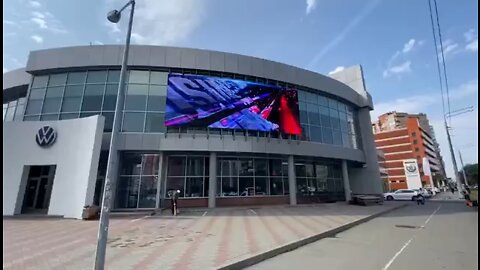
[46,136]
[411,168]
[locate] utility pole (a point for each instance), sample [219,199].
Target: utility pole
[463,168]
[454,162]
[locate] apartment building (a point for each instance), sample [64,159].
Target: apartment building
[408,142]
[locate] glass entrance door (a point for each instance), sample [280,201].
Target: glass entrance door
[38,189]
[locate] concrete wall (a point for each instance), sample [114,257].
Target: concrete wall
[75,153]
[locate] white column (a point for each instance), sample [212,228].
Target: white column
[346,181]
[292,183]
[212,180]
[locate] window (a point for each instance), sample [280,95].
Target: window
[133,122]
[414,134]
[416,149]
[139,76]
[92,100]
[39,81]
[155,122]
[113,76]
[97,76]
[137,186]
[158,77]
[157,97]
[57,79]
[53,100]
[136,99]
[415,141]
[76,77]
[110,99]
[72,98]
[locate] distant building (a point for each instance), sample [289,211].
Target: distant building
[404,137]
[383,170]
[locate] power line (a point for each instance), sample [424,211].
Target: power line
[436,57]
[443,58]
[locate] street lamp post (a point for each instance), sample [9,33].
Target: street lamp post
[111,174]
[447,128]
[463,168]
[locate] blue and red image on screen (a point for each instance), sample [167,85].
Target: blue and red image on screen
[204,101]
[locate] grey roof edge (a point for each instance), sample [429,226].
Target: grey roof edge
[189,58]
[16,77]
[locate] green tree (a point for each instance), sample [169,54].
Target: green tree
[471,170]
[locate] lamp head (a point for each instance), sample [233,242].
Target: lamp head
[114,16]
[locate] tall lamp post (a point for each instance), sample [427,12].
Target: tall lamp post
[114,17]
[447,128]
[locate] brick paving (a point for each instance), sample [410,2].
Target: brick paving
[194,240]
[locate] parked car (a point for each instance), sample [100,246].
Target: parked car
[426,193]
[401,194]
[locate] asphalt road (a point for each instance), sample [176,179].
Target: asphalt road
[444,236]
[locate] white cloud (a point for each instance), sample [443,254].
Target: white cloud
[9,22]
[96,42]
[408,46]
[311,5]
[450,48]
[137,38]
[470,35]
[472,40]
[37,39]
[362,14]
[166,22]
[38,15]
[40,22]
[419,103]
[34,4]
[113,27]
[337,69]
[472,46]
[46,21]
[402,68]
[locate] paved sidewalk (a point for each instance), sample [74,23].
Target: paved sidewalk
[194,240]
[448,196]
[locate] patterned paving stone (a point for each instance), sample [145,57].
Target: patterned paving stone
[193,240]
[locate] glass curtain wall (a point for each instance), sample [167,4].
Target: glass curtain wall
[189,174]
[84,93]
[315,178]
[13,110]
[251,176]
[73,95]
[326,120]
[137,184]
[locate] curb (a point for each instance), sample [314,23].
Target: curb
[302,242]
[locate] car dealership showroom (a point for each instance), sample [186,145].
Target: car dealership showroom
[223,129]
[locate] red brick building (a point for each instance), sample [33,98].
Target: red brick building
[402,136]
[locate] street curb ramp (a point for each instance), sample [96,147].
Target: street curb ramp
[302,242]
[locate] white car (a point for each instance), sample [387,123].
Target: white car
[401,194]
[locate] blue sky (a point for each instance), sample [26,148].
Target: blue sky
[392,40]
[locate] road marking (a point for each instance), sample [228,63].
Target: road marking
[397,254]
[204,213]
[251,210]
[409,241]
[434,212]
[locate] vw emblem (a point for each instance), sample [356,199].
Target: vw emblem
[411,168]
[46,136]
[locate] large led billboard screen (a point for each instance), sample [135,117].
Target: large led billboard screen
[203,101]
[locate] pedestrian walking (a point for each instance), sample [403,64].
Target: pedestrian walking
[420,200]
[174,201]
[452,190]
